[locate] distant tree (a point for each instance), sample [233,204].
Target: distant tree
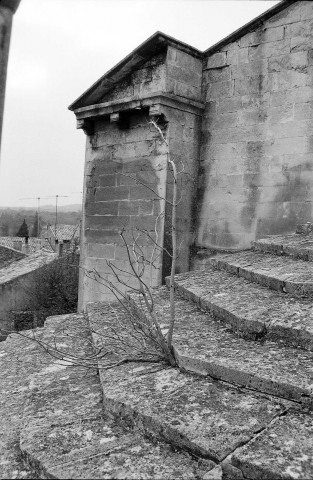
[5,230]
[23,230]
[36,226]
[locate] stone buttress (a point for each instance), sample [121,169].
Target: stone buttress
[128,185]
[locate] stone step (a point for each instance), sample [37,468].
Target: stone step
[295,245]
[207,347]
[284,274]
[251,310]
[194,413]
[198,414]
[64,433]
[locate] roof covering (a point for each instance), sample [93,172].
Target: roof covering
[64,232]
[34,243]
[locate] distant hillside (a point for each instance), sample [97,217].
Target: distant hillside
[12,218]
[74,207]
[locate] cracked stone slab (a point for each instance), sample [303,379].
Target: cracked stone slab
[196,414]
[207,347]
[251,310]
[284,274]
[283,451]
[65,435]
[297,246]
[20,358]
[97,448]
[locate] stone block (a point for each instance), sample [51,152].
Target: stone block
[217,74]
[273,34]
[225,120]
[104,166]
[148,177]
[253,117]
[289,129]
[101,208]
[108,180]
[185,75]
[298,95]
[140,192]
[251,69]
[300,43]
[187,61]
[220,89]
[99,250]
[127,207]
[299,29]
[297,61]
[284,449]
[306,10]
[271,49]
[188,91]
[144,222]
[281,146]
[100,236]
[112,193]
[239,56]
[142,75]
[217,60]
[289,79]
[249,85]
[284,113]
[107,222]
[303,111]
[136,207]
[224,105]
[251,38]
[133,150]
[288,15]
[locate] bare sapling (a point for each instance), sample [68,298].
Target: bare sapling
[130,329]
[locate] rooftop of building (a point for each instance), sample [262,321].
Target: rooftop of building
[155,44]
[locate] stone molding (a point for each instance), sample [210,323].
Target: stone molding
[84,115]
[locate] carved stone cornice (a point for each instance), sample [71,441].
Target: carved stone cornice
[132,103]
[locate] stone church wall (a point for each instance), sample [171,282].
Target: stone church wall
[257,133]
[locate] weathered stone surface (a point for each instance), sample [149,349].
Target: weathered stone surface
[19,359]
[64,433]
[8,255]
[284,274]
[251,310]
[282,451]
[99,449]
[205,346]
[193,413]
[25,266]
[293,244]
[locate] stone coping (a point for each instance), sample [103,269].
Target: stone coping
[250,310]
[54,426]
[207,347]
[207,417]
[294,245]
[284,274]
[25,265]
[63,433]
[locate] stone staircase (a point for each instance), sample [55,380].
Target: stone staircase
[238,407]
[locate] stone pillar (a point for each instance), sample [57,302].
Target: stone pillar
[7,9]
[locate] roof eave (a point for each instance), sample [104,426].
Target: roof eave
[142,53]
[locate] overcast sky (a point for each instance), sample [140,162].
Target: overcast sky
[58,49]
